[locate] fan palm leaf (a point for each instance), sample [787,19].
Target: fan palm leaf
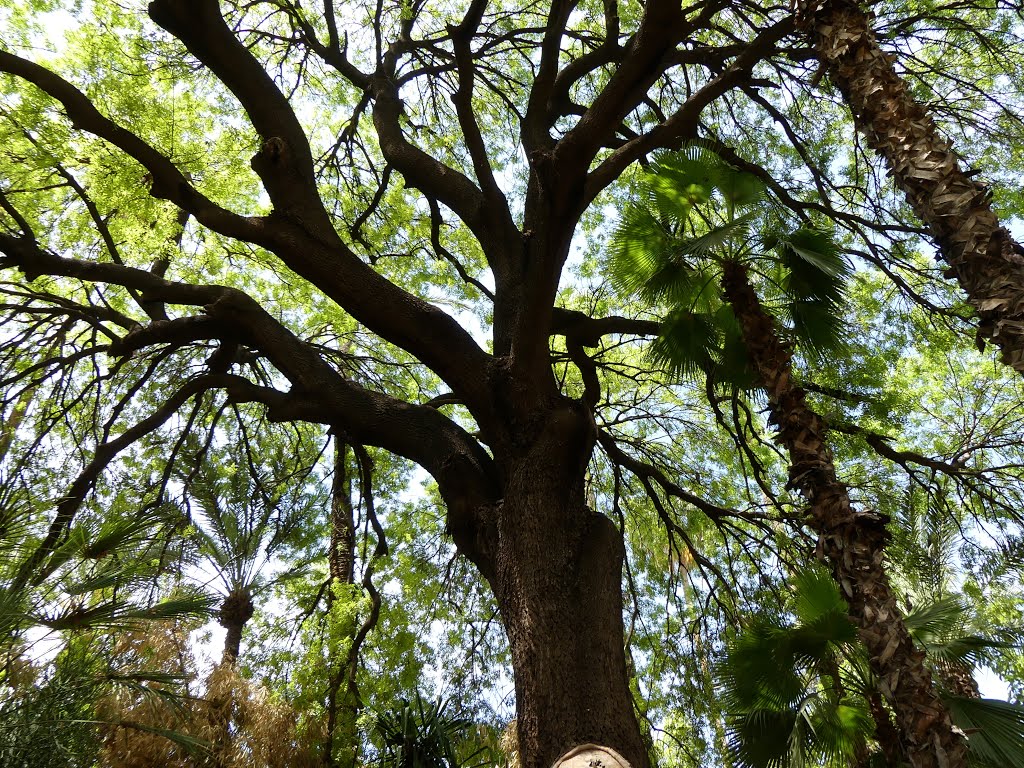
[693,212]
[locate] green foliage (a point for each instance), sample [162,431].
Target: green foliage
[420,735]
[256,489]
[693,212]
[791,699]
[48,717]
[797,692]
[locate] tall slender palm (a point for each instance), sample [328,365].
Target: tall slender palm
[695,227]
[245,517]
[982,256]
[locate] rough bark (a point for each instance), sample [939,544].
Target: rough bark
[958,679]
[558,583]
[850,541]
[235,612]
[886,735]
[982,256]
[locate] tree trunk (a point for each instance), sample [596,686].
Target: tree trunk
[886,735]
[9,426]
[985,260]
[958,679]
[235,612]
[851,541]
[341,745]
[558,584]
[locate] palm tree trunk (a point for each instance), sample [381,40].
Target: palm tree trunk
[341,745]
[982,256]
[886,735]
[235,611]
[851,541]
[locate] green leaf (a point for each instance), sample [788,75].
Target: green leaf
[995,730]
[689,344]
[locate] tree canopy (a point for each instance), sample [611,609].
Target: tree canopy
[319,320]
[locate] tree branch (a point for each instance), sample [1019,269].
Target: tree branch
[168,182]
[682,124]
[588,330]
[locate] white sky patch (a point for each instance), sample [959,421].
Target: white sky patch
[991,685]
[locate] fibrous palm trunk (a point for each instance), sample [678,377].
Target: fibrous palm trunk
[851,541]
[982,256]
[235,611]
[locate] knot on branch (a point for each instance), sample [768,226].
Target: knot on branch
[274,154]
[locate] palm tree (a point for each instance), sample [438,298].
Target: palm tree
[692,234]
[245,517]
[982,256]
[800,692]
[419,735]
[94,586]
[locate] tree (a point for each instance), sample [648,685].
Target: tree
[418,169]
[982,255]
[698,226]
[245,515]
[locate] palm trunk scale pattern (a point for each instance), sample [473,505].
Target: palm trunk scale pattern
[850,541]
[982,256]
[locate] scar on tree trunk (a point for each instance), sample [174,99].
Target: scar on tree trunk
[851,541]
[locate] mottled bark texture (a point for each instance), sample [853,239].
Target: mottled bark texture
[850,541]
[982,256]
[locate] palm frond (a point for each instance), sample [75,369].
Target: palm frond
[689,344]
[815,594]
[933,619]
[192,745]
[637,249]
[995,730]
[761,739]
[820,330]
[727,240]
[419,735]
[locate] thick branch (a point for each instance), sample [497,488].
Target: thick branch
[285,163]
[432,177]
[496,209]
[535,136]
[643,63]
[588,330]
